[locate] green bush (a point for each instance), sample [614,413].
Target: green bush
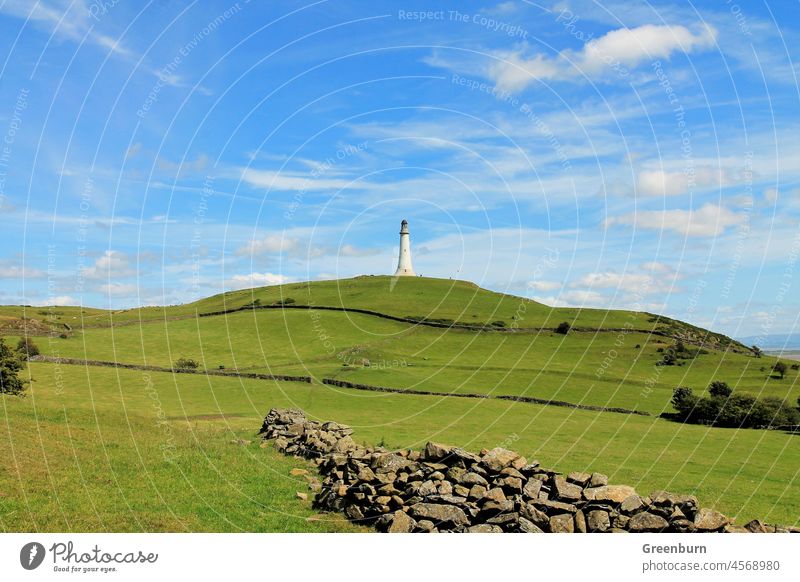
[719,389]
[780,369]
[563,328]
[26,348]
[738,411]
[724,409]
[186,364]
[683,399]
[10,365]
[668,359]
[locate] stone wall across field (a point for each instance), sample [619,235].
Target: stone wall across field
[448,489]
[105,364]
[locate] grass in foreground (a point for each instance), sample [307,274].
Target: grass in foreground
[86,443]
[105,466]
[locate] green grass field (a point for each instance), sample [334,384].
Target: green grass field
[86,447]
[595,368]
[85,451]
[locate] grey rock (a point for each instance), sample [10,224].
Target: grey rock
[495,494]
[532,488]
[609,493]
[503,519]
[499,458]
[565,490]
[534,515]
[436,451]
[389,462]
[580,522]
[470,478]
[439,513]
[484,528]
[631,504]
[527,526]
[344,444]
[710,520]
[562,523]
[427,488]
[598,521]
[477,492]
[646,521]
[402,523]
[579,478]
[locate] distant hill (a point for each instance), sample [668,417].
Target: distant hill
[774,341]
[421,299]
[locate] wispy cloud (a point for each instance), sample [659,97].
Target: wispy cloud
[65,19]
[256,280]
[708,220]
[513,70]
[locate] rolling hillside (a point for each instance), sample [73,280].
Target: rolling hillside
[440,337]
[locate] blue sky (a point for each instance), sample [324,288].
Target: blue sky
[581,153]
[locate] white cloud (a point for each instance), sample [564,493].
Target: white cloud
[661,183]
[708,220]
[184,167]
[633,46]
[65,19]
[256,280]
[579,298]
[353,251]
[287,181]
[544,285]
[269,244]
[612,280]
[10,271]
[60,300]
[111,265]
[512,71]
[657,268]
[616,51]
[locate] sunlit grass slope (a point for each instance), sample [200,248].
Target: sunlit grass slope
[85,451]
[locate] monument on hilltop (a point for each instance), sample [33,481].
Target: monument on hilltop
[404,268]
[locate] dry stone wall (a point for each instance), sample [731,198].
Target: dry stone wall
[448,489]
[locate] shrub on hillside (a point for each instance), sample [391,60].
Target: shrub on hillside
[724,409]
[10,365]
[780,369]
[186,364]
[668,359]
[719,389]
[683,399]
[563,328]
[26,348]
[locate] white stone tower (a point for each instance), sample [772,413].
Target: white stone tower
[404,268]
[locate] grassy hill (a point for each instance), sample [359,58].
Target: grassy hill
[426,299]
[95,431]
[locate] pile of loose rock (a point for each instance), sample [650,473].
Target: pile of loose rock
[445,488]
